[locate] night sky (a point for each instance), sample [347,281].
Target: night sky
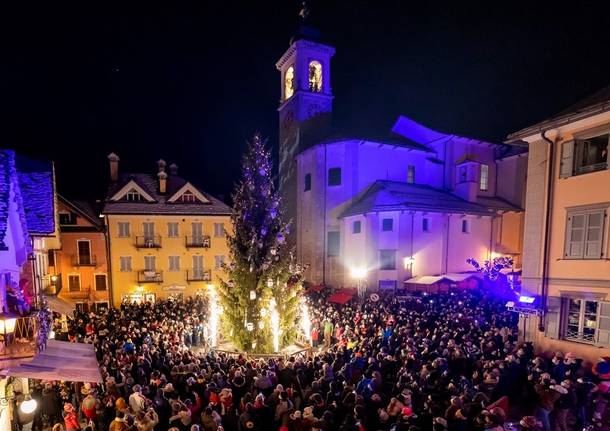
[191,86]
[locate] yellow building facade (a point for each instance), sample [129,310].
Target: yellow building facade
[166,237]
[566,242]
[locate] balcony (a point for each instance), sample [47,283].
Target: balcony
[198,274]
[198,241]
[150,276]
[148,241]
[78,260]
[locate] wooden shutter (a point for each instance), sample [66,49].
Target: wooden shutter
[603,324]
[594,234]
[553,317]
[566,168]
[575,235]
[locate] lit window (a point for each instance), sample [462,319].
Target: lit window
[307,182]
[133,196]
[581,324]
[387,225]
[315,76]
[410,174]
[334,177]
[425,225]
[484,181]
[357,226]
[289,83]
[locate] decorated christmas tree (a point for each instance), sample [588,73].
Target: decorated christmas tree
[259,296]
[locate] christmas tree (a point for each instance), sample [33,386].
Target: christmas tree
[260,293]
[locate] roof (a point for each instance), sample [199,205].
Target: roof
[392,139]
[386,195]
[587,107]
[36,181]
[84,208]
[432,279]
[160,204]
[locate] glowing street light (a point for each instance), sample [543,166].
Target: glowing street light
[408,262]
[28,405]
[359,273]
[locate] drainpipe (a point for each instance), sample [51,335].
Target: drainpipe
[547,231]
[108,262]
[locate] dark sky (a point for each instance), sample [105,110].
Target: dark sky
[191,86]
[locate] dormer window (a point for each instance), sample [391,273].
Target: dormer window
[315,76]
[133,196]
[289,83]
[187,197]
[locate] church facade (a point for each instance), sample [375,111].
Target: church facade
[398,210]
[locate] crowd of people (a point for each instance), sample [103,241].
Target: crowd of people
[448,361]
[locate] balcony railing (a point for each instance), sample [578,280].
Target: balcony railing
[150,276]
[148,241]
[78,260]
[198,275]
[198,241]
[21,342]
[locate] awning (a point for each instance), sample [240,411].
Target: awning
[61,360]
[340,298]
[452,277]
[60,305]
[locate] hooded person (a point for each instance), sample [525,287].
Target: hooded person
[70,418]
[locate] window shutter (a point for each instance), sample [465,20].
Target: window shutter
[603,325]
[553,314]
[575,235]
[567,159]
[594,235]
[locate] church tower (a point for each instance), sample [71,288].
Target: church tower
[305,107]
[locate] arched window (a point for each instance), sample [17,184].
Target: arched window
[289,83]
[315,76]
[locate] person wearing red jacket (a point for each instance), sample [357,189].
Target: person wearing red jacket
[70,418]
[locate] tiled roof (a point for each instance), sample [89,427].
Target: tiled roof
[8,179]
[85,209]
[392,140]
[591,105]
[393,196]
[38,194]
[149,184]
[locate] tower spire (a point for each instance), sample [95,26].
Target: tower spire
[304,12]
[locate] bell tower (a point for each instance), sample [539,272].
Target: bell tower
[305,107]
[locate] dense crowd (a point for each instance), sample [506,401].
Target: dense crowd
[435,362]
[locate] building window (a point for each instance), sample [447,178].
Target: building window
[465,226]
[174,263]
[133,196]
[150,263]
[307,182]
[74,282]
[187,197]
[582,156]
[124,230]
[584,234]
[387,259]
[198,265]
[484,180]
[101,282]
[84,252]
[356,226]
[219,230]
[125,263]
[197,232]
[51,257]
[333,244]
[334,177]
[289,82]
[410,174]
[581,324]
[149,231]
[315,76]
[387,224]
[173,230]
[219,262]
[67,218]
[425,225]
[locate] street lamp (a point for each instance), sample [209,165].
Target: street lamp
[360,274]
[8,321]
[28,405]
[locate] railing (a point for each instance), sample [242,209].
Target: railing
[78,260]
[20,343]
[198,275]
[150,276]
[591,168]
[197,241]
[148,241]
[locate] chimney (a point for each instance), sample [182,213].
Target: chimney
[173,169]
[113,159]
[162,181]
[162,175]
